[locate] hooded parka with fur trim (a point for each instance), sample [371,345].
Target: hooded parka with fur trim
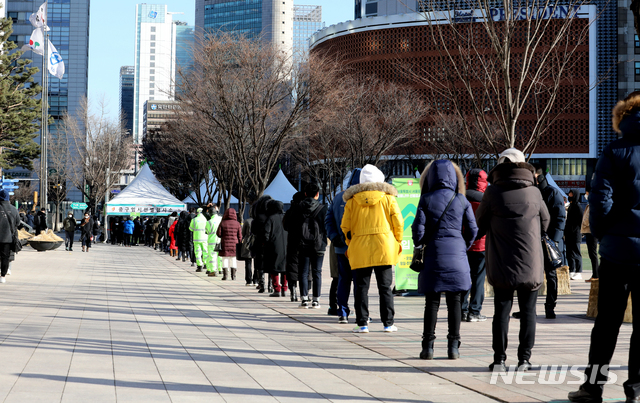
[372,225]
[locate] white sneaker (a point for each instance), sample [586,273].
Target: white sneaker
[361,329]
[576,276]
[389,329]
[3,280]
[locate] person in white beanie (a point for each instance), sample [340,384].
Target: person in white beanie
[372,224]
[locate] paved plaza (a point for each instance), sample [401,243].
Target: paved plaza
[134,325]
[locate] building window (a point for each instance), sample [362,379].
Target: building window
[636,43]
[152,57]
[153,37]
[152,78]
[153,51]
[152,71]
[152,85]
[371,9]
[152,64]
[153,29]
[153,44]
[637,68]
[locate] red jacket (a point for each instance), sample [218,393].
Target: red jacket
[476,186]
[230,233]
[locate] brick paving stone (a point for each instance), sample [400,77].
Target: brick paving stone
[132,324]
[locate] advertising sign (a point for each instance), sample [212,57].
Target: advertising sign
[408,198]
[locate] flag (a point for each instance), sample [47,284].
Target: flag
[39,19]
[36,42]
[56,64]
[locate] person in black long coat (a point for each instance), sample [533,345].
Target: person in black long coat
[275,248]
[293,242]
[182,235]
[573,236]
[259,210]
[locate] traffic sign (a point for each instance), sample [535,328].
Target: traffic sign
[115,191]
[79,206]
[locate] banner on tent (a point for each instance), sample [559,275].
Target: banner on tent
[408,198]
[143,209]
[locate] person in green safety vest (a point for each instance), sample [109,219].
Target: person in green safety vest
[198,227]
[212,226]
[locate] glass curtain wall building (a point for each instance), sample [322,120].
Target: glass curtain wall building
[307,20]
[184,42]
[69,24]
[127,80]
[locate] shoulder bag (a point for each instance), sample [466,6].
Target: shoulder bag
[417,262]
[16,246]
[551,252]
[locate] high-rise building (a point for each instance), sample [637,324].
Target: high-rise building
[271,20]
[184,42]
[307,20]
[69,24]
[127,80]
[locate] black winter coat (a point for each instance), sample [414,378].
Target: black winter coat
[513,215]
[572,233]
[309,206]
[275,246]
[40,222]
[259,215]
[181,232]
[293,241]
[555,204]
[8,222]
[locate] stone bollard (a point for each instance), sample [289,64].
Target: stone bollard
[592,308]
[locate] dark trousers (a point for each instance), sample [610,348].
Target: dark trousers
[616,282]
[259,270]
[574,257]
[333,294]
[503,302]
[5,255]
[431,307]
[345,280]
[68,239]
[127,239]
[248,275]
[472,300]
[384,278]
[552,282]
[592,248]
[310,262]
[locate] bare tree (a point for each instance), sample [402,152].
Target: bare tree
[249,94]
[58,165]
[503,64]
[101,151]
[24,193]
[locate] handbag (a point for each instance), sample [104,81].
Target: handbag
[218,247]
[551,252]
[417,261]
[16,245]
[247,246]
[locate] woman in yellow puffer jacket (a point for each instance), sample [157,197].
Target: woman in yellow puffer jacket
[373,226]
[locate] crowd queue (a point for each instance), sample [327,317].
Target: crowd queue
[482,224]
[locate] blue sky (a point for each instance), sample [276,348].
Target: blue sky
[112,36]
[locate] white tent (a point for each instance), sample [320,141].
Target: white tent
[145,196]
[203,191]
[280,188]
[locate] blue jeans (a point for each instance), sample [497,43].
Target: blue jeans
[344,285]
[472,300]
[314,262]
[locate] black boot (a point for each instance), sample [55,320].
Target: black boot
[199,269]
[452,349]
[427,350]
[233,273]
[184,258]
[294,293]
[224,274]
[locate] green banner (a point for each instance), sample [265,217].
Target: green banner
[408,198]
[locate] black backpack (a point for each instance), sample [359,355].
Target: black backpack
[311,233]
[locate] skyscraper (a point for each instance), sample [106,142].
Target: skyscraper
[183,47]
[307,20]
[69,24]
[127,80]
[271,20]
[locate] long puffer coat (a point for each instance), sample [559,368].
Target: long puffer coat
[230,233]
[513,215]
[182,233]
[275,248]
[446,268]
[614,217]
[574,221]
[476,186]
[372,225]
[293,241]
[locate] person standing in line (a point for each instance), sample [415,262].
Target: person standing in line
[40,221]
[591,241]
[332,222]
[191,246]
[293,243]
[275,250]
[309,225]
[182,234]
[8,227]
[69,225]
[615,221]
[86,232]
[173,248]
[230,233]
[127,229]
[211,230]
[30,219]
[573,236]
[258,209]
[513,216]
[246,231]
[473,299]
[97,229]
[197,227]
[554,201]
[446,227]
[372,225]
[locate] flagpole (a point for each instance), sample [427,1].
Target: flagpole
[45,123]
